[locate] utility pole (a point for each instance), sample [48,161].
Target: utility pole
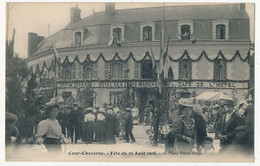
[8,8]
[7,20]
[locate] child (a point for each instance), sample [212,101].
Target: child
[207,146]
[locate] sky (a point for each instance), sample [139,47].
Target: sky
[34,17]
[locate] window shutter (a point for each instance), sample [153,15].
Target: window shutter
[125,69]
[136,70]
[80,71]
[95,70]
[107,70]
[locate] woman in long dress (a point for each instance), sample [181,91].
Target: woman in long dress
[49,130]
[110,127]
[100,126]
[88,128]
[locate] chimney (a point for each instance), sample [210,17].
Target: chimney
[33,41]
[75,14]
[110,9]
[242,6]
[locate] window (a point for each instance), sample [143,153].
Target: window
[117,36]
[220,69]
[59,71]
[185,69]
[80,71]
[44,74]
[147,70]
[185,32]
[50,74]
[116,70]
[220,31]
[77,38]
[114,97]
[90,70]
[74,70]
[126,70]
[147,31]
[66,71]
[117,32]
[185,29]
[136,70]
[170,74]
[107,72]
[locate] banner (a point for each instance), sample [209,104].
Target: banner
[154,84]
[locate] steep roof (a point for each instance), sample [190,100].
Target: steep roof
[230,11]
[63,38]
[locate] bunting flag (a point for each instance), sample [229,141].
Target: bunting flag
[118,42]
[53,47]
[166,60]
[10,46]
[160,68]
[192,38]
[111,40]
[152,55]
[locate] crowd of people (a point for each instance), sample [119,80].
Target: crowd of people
[81,126]
[234,128]
[189,122]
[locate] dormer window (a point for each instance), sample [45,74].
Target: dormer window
[220,29]
[147,31]
[185,32]
[116,34]
[185,29]
[147,36]
[77,38]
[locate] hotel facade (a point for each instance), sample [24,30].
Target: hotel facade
[208,50]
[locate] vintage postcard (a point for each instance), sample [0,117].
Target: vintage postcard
[129,82]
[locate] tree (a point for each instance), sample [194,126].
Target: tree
[126,100]
[86,96]
[16,72]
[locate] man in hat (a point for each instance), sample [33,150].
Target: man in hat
[11,131]
[184,128]
[216,116]
[129,126]
[200,123]
[75,122]
[226,124]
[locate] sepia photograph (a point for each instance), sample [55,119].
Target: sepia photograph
[129,82]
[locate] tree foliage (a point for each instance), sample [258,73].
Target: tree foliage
[86,96]
[126,100]
[16,72]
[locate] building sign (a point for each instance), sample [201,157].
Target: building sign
[154,84]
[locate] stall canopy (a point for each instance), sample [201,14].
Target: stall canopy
[213,96]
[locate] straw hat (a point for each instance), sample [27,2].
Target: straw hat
[187,102]
[227,102]
[102,109]
[52,103]
[216,106]
[110,111]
